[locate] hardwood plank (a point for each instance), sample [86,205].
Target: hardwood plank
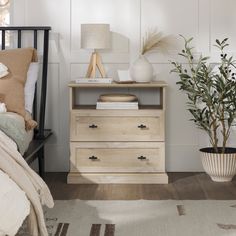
[187,186]
[88,192]
[122,191]
[217,191]
[159,192]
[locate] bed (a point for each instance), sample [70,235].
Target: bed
[41,135]
[22,191]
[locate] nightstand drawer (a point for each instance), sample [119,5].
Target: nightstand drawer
[112,129]
[117,159]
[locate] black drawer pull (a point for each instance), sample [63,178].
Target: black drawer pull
[142,158]
[93,126]
[93,158]
[142,126]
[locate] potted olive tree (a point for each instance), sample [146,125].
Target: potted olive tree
[211,92]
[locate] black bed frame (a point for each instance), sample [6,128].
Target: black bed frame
[41,135]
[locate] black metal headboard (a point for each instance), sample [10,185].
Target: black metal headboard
[34,30]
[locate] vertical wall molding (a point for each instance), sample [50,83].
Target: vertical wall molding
[140,24]
[70,2]
[18,12]
[204,27]
[210,25]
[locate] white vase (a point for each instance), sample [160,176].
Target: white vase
[141,71]
[220,167]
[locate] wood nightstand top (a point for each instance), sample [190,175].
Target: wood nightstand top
[157,84]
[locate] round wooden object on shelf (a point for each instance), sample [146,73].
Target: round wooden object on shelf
[117,98]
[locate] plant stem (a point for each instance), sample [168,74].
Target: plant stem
[215,144]
[214,128]
[223,129]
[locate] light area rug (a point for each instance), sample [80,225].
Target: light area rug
[141,218]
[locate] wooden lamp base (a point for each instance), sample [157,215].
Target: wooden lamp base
[95,61]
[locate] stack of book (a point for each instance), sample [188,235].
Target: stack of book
[117,101]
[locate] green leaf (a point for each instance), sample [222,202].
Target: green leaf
[224,40]
[226,45]
[183,55]
[189,40]
[185,76]
[218,41]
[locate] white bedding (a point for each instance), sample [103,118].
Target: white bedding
[31,80]
[14,204]
[13,125]
[13,201]
[23,190]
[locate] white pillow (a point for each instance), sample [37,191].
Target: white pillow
[3,70]
[32,76]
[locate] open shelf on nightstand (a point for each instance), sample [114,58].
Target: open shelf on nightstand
[141,107]
[158,86]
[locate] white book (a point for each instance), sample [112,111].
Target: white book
[117,108]
[114,106]
[93,80]
[117,105]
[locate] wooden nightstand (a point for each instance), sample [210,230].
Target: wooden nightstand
[117,146]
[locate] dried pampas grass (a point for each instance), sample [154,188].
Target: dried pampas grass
[154,41]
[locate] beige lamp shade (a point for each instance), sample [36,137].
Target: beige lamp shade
[95,36]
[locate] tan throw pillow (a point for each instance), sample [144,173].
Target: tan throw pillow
[12,85]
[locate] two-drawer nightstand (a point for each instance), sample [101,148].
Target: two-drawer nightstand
[117,146]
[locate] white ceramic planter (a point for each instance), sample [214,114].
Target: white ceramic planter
[141,71]
[220,167]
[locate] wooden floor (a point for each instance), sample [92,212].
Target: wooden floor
[182,186]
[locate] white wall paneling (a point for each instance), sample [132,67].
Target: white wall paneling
[123,17]
[223,20]
[170,17]
[18,11]
[204,26]
[205,20]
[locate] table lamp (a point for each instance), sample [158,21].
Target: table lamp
[95,36]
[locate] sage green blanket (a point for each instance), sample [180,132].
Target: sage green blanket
[13,125]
